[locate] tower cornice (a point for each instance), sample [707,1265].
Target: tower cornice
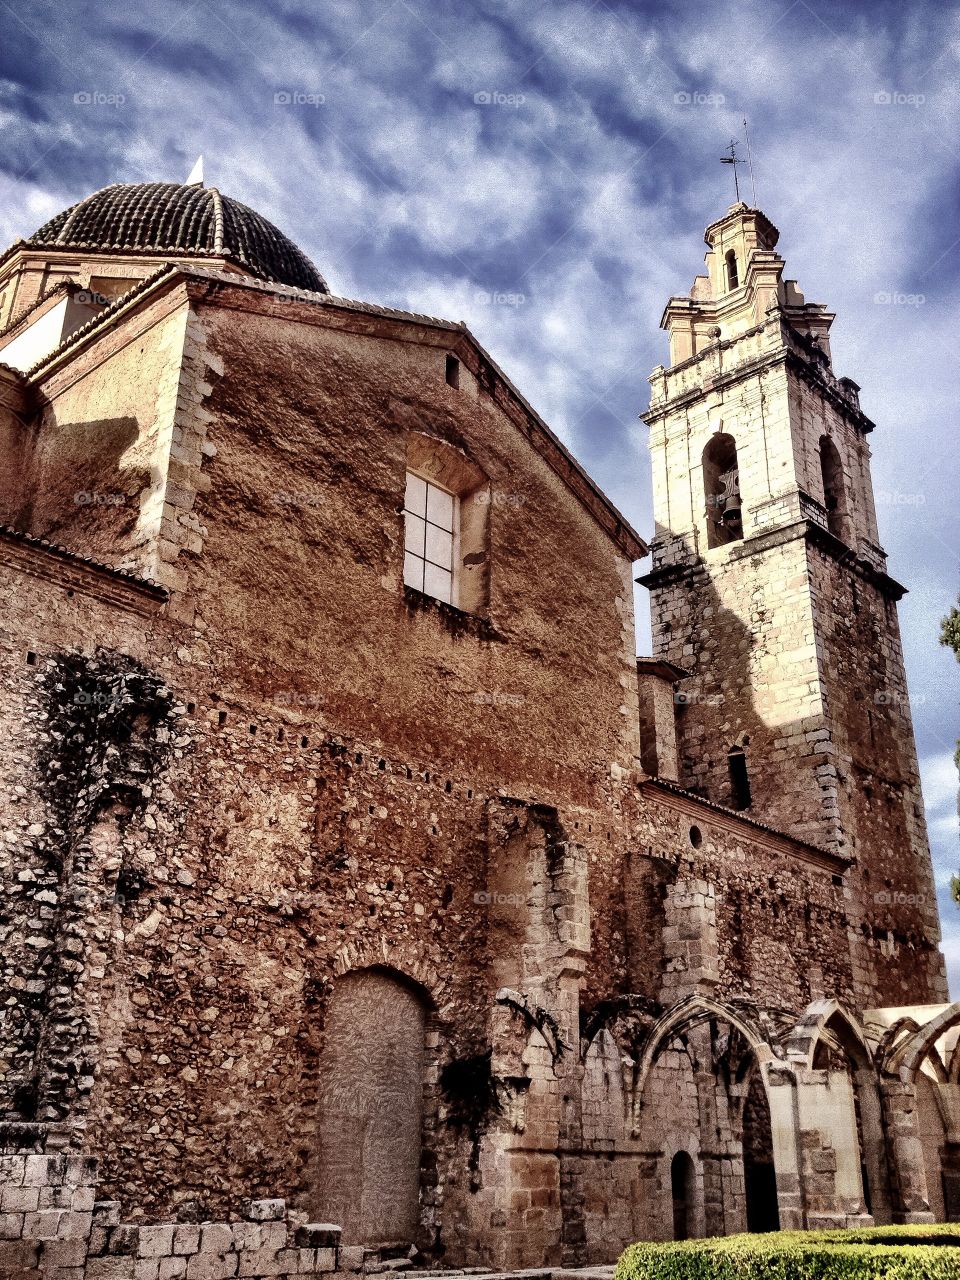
[771,540]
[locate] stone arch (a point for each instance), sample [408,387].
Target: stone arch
[373,1067]
[727,1050]
[686,1013]
[829,1042]
[827,1020]
[721,490]
[913,1060]
[908,1053]
[834,488]
[683,1194]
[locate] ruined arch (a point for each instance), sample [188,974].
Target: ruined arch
[828,1043]
[908,1053]
[925,1056]
[727,1051]
[373,1067]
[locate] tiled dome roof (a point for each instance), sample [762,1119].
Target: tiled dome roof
[176,218]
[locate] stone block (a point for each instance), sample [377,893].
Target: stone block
[172,1268]
[74,1225]
[215,1237]
[123,1240]
[82,1199]
[147,1269]
[44,1171]
[64,1253]
[351,1258]
[186,1238]
[111,1269]
[273,1235]
[211,1266]
[15,1199]
[11,1226]
[318,1235]
[12,1169]
[42,1225]
[155,1241]
[106,1213]
[247,1236]
[265,1210]
[81,1171]
[265,1262]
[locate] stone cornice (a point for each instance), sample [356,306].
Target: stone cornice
[758,544]
[781,355]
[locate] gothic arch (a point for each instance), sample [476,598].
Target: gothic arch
[687,1013]
[826,1029]
[827,1021]
[725,1045]
[399,957]
[907,1055]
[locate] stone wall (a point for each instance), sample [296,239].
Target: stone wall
[52,1227]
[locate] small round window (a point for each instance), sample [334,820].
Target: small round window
[696,837]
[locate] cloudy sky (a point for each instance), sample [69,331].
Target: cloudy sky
[544,169]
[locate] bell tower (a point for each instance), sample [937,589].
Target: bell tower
[769,586]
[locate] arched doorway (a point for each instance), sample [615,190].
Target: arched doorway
[682,1188]
[759,1172]
[371,1108]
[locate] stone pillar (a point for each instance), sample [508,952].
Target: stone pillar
[690,941]
[910,1201]
[781,1096]
[656,682]
[829,1151]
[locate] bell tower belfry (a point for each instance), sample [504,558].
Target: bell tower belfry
[769,586]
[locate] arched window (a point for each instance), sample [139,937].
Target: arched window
[834,494]
[721,485]
[682,1190]
[739,778]
[733,276]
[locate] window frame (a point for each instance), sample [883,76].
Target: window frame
[453,533]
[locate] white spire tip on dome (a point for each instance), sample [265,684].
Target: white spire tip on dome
[195,178]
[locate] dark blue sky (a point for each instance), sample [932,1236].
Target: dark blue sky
[544,171]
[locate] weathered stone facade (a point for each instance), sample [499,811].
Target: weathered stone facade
[435,920]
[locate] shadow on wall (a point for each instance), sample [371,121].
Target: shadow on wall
[82,494]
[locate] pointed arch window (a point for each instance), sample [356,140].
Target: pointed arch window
[739,778]
[733,275]
[721,484]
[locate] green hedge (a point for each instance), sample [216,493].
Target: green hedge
[881,1253]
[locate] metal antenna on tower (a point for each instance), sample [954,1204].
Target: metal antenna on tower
[733,159]
[753,181]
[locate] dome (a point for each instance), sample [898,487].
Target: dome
[180,219]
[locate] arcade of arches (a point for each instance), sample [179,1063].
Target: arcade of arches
[710,1119]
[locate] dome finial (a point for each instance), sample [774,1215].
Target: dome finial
[195,178]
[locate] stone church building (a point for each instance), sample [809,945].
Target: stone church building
[350,855]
